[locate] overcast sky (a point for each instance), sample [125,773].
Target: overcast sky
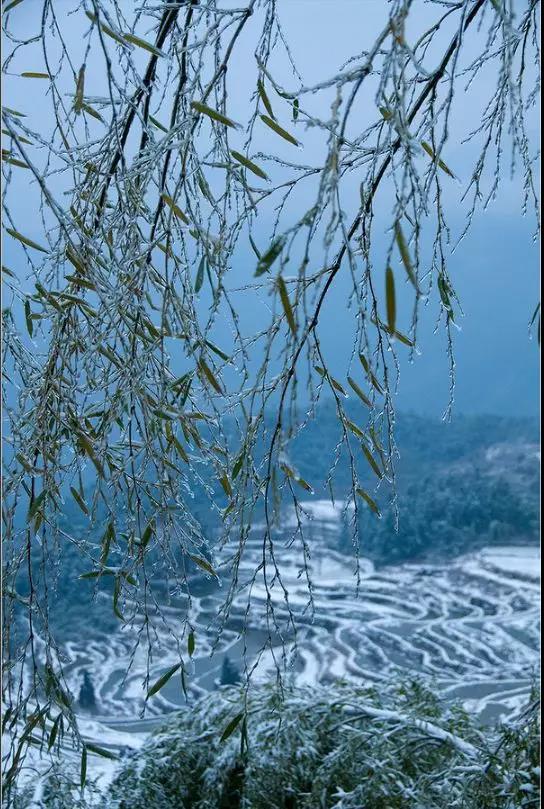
[495,269]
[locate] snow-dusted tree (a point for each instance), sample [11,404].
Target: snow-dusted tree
[153,175]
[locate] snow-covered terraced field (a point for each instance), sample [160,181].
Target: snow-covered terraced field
[469,626]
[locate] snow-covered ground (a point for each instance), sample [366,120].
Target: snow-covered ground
[470,626]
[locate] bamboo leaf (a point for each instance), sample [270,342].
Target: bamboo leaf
[405,254]
[225,484]
[374,466]
[191,643]
[147,534]
[210,376]
[10,6]
[200,275]
[286,303]
[87,447]
[141,43]
[36,504]
[204,564]
[279,130]
[92,112]
[25,240]
[79,500]
[80,87]
[353,384]
[107,30]
[231,727]
[14,161]
[158,124]
[390,297]
[217,351]
[213,114]
[11,111]
[54,732]
[176,210]
[238,465]
[370,374]
[440,162]
[354,429]
[163,680]
[28,318]
[249,164]
[83,770]
[368,499]
[28,74]
[268,258]
[264,98]
[101,751]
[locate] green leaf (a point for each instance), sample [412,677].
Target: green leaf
[177,211]
[79,500]
[444,290]
[54,731]
[231,727]
[440,162]
[80,87]
[92,112]
[81,282]
[268,258]
[213,114]
[405,254]
[30,75]
[354,429]
[141,43]
[101,751]
[191,643]
[200,275]
[10,6]
[225,484]
[158,124]
[368,499]
[14,161]
[204,564]
[238,465]
[83,770]
[279,130]
[36,504]
[249,164]
[264,98]
[217,351]
[163,680]
[11,111]
[390,297]
[87,447]
[364,362]
[18,138]
[147,534]
[107,30]
[28,318]
[286,303]
[353,384]
[374,466]
[179,449]
[107,537]
[212,379]
[25,240]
